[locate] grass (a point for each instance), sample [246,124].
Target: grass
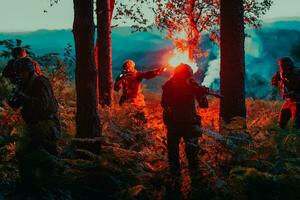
[135,151]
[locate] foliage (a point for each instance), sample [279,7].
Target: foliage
[5,89]
[9,45]
[133,159]
[186,20]
[133,11]
[52,2]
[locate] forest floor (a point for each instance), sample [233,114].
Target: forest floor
[132,163]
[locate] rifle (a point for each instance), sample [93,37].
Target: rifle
[210,92]
[214,93]
[204,90]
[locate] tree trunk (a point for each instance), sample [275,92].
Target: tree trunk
[104,15]
[232,60]
[87,118]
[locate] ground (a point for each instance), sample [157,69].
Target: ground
[132,163]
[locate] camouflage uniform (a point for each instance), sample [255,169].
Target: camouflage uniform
[288,80]
[130,81]
[39,106]
[180,117]
[37,148]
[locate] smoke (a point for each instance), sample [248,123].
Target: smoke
[212,74]
[260,66]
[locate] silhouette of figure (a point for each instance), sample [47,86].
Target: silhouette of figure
[288,80]
[37,148]
[130,82]
[180,117]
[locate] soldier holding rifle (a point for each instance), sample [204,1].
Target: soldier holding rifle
[180,117]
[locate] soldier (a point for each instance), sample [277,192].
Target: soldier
[37,147]
[180,117]
[288,80]
[10,72]
[130,81]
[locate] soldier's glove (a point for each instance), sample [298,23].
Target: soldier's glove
[160,70]
[17,100]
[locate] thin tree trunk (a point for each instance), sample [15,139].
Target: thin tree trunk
[232,60]
[104,14]
[87,118]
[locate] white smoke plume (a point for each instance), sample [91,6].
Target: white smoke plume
[253,51]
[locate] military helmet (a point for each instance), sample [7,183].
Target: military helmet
[24,64]
[183,70]
[18,51]
[129,66]
[286,62]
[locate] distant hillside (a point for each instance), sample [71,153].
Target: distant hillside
[263,47]
[43,41]
[125,43]
[283,23]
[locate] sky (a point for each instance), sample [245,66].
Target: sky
[29,15]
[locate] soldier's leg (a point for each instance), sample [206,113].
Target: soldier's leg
[285,115]
[174,188]
[192,149]
[173,152]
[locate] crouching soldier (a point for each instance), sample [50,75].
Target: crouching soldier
[288,80]
[180,117]
[130,81]
[37,148]
[10,71]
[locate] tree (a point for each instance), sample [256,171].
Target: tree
[87,119]
[185,20]
[104,51]
[131,11]
[232,60]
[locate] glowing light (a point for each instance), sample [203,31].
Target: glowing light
[179,57]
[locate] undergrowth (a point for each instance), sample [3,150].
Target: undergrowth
[134,153]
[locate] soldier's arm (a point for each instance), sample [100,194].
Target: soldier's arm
[276,79]
[150,74]
[200,93]
[202,101]
[7,71]
[14,103]
[118,83]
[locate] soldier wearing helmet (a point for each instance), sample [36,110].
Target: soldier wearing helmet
[288,80]
[36,99]
[180,117]
[37,147]
[130,82]
[10,72]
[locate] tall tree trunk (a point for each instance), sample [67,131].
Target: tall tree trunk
[87,118]
[232,60]
[104,15]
